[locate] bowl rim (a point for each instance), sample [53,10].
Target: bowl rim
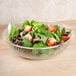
[7,40]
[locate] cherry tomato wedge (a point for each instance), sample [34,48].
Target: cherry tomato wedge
[60,33]
[50,41]
[28,36]
[28,28]
[64,38]
[31,40]
[51,28]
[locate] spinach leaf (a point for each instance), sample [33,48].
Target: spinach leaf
[40,44]
[43,26]
[63,30]
[43,38]
[26,43]
[56,36]
[17,41]
[45,32]
[57,27]
[49,34]
[32,34]
[12,30]
[57,32]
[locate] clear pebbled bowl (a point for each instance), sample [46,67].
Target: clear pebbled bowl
[47,52]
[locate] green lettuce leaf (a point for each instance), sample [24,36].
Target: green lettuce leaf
[26,43]
[12,30]
[43,38]
[57,32]
[57,27]
[56,36]
[25,23]
[63,30]
[35,24]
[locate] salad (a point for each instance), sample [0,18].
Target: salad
[37,35]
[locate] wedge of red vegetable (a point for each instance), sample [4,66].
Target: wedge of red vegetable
[51,28]
[28,28]
[64,38]
[29,37]
[50,41]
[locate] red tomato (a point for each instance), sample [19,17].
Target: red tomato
[28,28]
[51,28]
[64,38]
[28,36]
[31,40]
[50,41]
[60,33]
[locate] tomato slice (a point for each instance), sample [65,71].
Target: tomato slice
[51,28]
[31,40]
[60,33]
[50,41]
[64,38]
[28,36]
[28,28]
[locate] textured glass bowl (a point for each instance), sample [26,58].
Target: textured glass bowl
[26,52]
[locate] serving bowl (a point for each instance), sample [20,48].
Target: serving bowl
[48,52]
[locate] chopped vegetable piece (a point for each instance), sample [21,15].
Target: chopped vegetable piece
[50,41]
[35,24]
[12,31]
[58,33]
[63,31]
[64,38]
[43,38]
[26,43]
[40,44]
[56,36]
[28,28]
[29,37]
[51,28]
[57,27]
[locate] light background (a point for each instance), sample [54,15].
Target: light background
[41,10]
